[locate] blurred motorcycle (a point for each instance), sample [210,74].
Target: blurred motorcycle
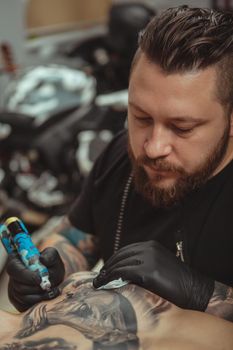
[56,120]
[44,159]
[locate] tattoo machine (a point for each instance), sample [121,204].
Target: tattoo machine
[15,237]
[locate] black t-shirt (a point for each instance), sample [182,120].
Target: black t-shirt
[203,222]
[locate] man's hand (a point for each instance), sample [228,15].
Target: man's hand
[24,285]
[150,265]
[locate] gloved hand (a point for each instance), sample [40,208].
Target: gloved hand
[150,265]
[24,285]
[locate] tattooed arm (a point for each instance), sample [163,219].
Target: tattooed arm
[221,302]
[78,250]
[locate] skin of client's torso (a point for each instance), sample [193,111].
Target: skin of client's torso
[125,318]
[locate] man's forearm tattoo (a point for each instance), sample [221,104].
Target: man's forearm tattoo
[221,303]
[79,251]
[86,243]
[73,260]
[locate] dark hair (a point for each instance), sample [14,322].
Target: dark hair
[183,39]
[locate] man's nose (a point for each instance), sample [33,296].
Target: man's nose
[158,143]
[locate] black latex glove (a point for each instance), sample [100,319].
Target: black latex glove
[150,265]
[24,285]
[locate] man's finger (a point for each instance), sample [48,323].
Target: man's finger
[121,255]
[49,256]
[17,270]
[25,289]
[126,273]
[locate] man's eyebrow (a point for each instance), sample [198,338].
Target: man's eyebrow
[187,119]
[135,106]
[177,119]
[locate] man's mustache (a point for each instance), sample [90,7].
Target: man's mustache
[158,164]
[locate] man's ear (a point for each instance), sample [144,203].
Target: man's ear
[231,125]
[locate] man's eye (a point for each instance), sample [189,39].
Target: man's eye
[144,121]
[182,130]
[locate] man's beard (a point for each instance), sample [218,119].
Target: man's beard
[186,182]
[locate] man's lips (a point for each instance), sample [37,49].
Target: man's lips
[161,172]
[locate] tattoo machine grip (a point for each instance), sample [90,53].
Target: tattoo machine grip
[27,251]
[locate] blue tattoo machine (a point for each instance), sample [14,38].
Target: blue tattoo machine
[15,237]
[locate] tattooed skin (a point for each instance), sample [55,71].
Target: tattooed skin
[111,322]
[221,303]
[78,250]
[44,344]
[72,258]
[127,318]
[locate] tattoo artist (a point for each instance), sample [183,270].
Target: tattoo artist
[157,205]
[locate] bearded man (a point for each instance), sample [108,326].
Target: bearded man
[157,205]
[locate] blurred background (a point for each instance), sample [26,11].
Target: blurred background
[64,67]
